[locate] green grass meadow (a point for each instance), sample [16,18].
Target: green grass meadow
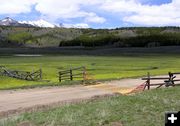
[99,67]
[144,109]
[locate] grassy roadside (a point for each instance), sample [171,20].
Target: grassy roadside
[100,67]
[144,109]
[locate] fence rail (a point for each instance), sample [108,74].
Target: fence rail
[167,81]
[73,73]
[23,75]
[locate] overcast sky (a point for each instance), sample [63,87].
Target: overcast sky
[95,13]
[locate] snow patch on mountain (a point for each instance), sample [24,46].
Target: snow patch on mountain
[80,25]
[38,23]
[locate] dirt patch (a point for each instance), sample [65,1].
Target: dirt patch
[32,100]
[27,123]
[114,124]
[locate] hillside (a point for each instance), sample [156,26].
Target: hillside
[11,36]
[35,37]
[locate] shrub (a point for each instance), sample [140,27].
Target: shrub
[19,37]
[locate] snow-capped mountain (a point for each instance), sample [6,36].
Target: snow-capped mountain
[11,22]
[38,23]
[8,21]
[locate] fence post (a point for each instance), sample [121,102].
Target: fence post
[171,78]
[170,75]
[84,74]
[59,76]
[40,73]
[148,81]
[71,75]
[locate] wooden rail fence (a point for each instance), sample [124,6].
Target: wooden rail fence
[73,73]
[166,81]
[23,75]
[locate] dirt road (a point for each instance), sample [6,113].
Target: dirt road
[15,101]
